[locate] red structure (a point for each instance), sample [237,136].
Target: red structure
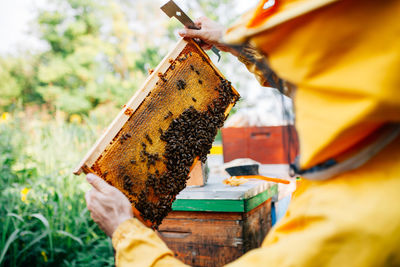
[267,145]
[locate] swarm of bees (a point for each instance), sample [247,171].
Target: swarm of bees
[188,136]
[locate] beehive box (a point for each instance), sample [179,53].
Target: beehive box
[166,127]
[253,142]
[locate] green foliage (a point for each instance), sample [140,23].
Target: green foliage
[10,89]
[83,68]
[86,64]
[43,215]
[18,81]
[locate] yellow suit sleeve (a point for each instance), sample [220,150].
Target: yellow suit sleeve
[138,245]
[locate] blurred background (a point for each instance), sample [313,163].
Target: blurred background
[66,68]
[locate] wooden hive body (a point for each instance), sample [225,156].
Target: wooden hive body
[157,138]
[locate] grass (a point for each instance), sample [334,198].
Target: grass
[43,215]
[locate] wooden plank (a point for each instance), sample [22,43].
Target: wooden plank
[176,215]
[205,255]
[256,225]
[217,232]
[196,176]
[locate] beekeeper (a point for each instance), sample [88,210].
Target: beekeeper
[340,60]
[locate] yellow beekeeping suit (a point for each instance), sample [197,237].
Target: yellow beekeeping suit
[344,59]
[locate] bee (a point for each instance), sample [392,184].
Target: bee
[128,111]
[182,58]
[181,84]
[151,71]
[149,139]
[169,114]
[142,156]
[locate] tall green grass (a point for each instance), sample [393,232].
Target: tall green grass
[43,215]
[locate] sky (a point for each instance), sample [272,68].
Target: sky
[15,18]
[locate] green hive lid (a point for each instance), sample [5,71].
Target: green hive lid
[218,197]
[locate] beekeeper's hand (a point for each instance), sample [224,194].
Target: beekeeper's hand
[210,33]
[107,205]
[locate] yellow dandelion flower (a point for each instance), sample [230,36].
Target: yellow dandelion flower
[24,193]
[44,256]
[75,118]
[5,117]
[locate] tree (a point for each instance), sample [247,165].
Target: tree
[87,64]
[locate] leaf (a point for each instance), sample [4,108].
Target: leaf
[77,239]
[42,219]
[10,239]
[11,214]
[34,241]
